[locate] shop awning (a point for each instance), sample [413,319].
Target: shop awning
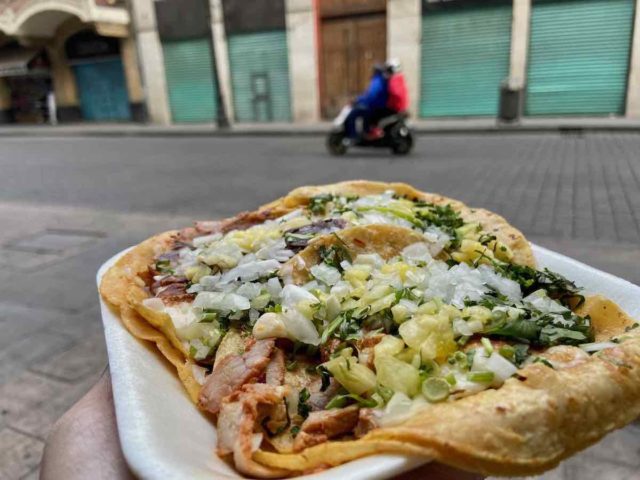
[15,62]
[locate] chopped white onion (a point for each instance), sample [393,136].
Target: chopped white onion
[154,303]
[325,274]
[401,408]
[341,289]
[181,314]
[597,346]
[504,286]
[199,373]
[300,327]
[373,259]
[397,409]
[250,271]
[540,301]
[200,241]
[496,363]
[270,325]
[416,252]
[249,290]
[461,328]
[454,285]
[223,302]
[293,294]
[274,287]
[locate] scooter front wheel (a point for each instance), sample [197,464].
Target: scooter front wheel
[336,144]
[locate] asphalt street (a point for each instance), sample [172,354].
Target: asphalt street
[68,204]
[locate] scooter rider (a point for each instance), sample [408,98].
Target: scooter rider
[398,100]
[374,98]
[397,95]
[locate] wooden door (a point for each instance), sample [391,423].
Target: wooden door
[350,48]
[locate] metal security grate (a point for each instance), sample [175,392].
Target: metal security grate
[578,57]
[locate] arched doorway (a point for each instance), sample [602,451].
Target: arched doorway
[100,78]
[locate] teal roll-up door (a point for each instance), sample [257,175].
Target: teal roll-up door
[102,90]
[465,56]
[191,83]
[260,76]
[579,57]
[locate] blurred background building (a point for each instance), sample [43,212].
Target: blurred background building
[67,60]
[235,61]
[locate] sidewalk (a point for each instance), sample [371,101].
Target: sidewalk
[423,126]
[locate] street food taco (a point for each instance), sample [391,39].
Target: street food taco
[359,318]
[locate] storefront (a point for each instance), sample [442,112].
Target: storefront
[191,84]
[27,86]
[579,57]
[99,74]
[185,34]
[465,57]
[258,60]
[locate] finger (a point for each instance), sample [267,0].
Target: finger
[84,442]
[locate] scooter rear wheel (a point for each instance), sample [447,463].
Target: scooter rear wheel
[402,144]
[335,144]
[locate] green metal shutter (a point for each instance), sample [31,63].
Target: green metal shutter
[578,57]
[260,76]
[190,81]
[465,56]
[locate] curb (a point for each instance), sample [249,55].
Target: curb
[575,128]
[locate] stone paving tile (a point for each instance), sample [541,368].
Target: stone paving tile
[31,403]
[77,363]
[26,391]
[39,420]
[17,321]
[79,325]
[36,347]
[19,454]
[618,259]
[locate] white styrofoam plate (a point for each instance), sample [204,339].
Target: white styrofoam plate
[163,435]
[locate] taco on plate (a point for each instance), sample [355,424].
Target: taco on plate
[363,317]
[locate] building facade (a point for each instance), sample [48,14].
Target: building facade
[302,60]
[239,61]
[68,61]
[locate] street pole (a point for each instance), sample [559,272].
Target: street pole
[222,119]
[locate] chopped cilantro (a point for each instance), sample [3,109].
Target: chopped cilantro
[530,280]
[334,255]
[164,266]
[303,407]
[273,307]
[340,401]
[318,204]
[325,376]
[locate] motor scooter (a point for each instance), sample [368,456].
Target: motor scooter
[396,135]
